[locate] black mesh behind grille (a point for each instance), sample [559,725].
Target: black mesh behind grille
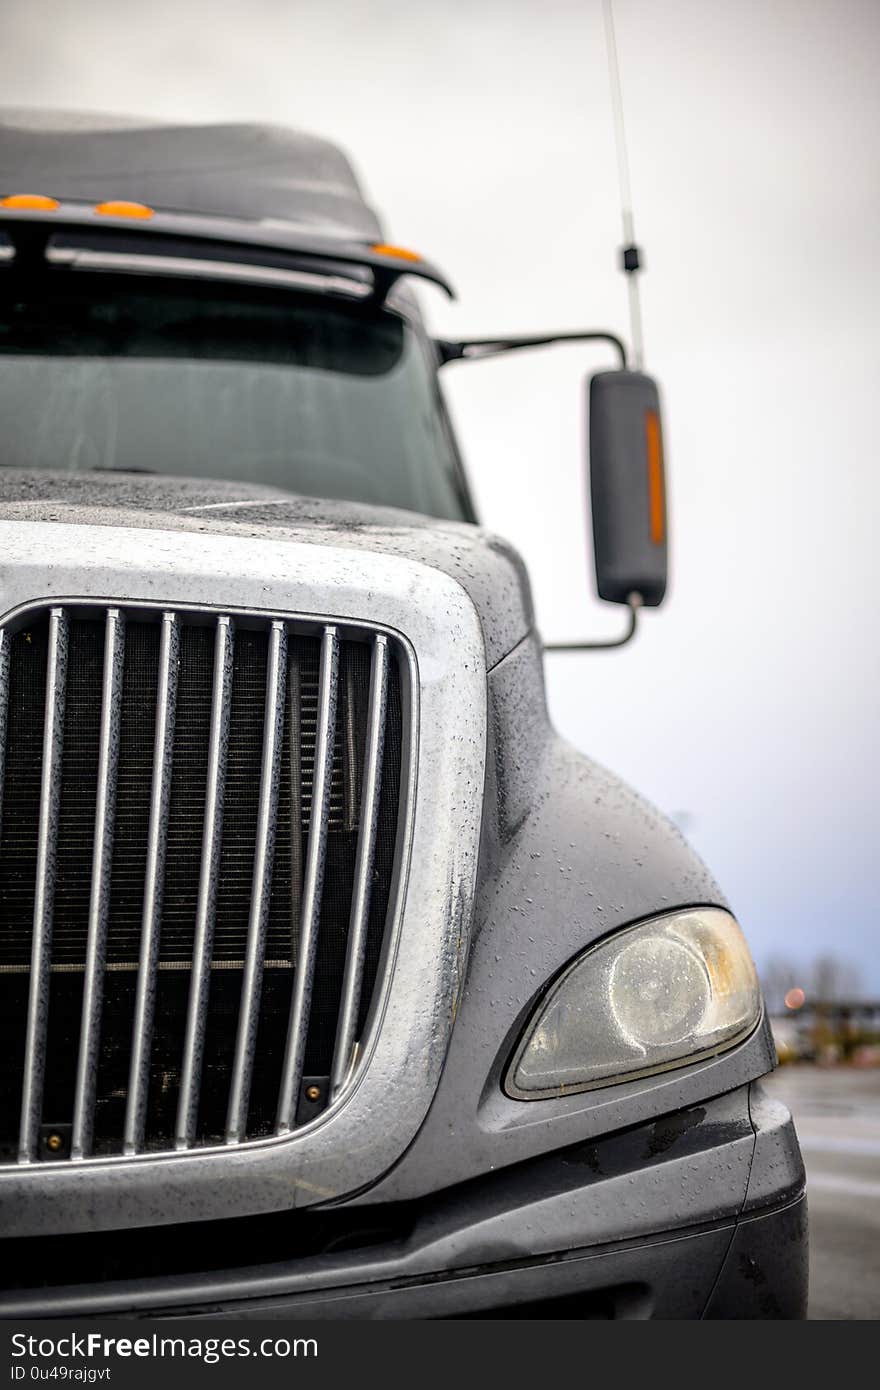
[183,865]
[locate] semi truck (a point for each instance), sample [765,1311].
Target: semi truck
[333,982]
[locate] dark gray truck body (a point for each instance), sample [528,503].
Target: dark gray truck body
[427,1191]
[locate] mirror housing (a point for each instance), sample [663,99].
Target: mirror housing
[628,488]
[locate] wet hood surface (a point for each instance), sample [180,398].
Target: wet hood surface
[489,569]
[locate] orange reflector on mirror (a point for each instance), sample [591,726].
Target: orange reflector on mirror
[31,202]
[656,499]
[400,253]
[121,208]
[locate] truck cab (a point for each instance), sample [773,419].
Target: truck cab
[333,983]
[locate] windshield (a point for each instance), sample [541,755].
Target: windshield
[104,372]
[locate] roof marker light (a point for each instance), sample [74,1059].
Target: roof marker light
[399,253]
[32,202]
[121,208]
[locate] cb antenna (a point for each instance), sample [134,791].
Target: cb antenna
[630,255]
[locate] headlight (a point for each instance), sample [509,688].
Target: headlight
[669,991]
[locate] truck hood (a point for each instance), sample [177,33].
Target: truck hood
[488,568]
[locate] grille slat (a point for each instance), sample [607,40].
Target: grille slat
[99,901]
[240,1087]
[44,888]
[160,795]
[307,943]
[197,1012]
[196,856]
[366,852]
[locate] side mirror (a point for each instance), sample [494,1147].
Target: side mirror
[627,487]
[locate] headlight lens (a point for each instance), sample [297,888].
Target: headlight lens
[670,991]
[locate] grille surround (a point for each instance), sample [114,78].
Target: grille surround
[269,573]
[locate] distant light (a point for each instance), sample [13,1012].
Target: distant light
[399,253]
[32,202]
[121,208]
[795,998]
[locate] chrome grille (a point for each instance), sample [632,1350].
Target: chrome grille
[197,845]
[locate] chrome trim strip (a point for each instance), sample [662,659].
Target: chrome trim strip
[112,967]
[99,898]
[360,904]
[197,1010]
[187,266]
[154,882]
[261,891]
[41,948]
[316,852]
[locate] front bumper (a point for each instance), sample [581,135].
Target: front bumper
[699,1213]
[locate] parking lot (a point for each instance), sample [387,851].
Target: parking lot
[837,1113]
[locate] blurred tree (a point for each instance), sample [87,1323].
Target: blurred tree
[832,980]
[780,974]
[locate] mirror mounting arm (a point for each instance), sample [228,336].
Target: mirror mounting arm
[634,603]
[473,349]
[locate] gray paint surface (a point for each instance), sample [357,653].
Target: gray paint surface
[569,854]
[488,568]
[627,1207]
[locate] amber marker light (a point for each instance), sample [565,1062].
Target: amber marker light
[121,208]
[30,202]
[399,253]
[656,499]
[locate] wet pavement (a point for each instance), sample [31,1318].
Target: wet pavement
[837,1114]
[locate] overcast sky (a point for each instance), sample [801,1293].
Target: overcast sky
[482,131]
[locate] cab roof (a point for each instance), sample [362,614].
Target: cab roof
[252,172]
